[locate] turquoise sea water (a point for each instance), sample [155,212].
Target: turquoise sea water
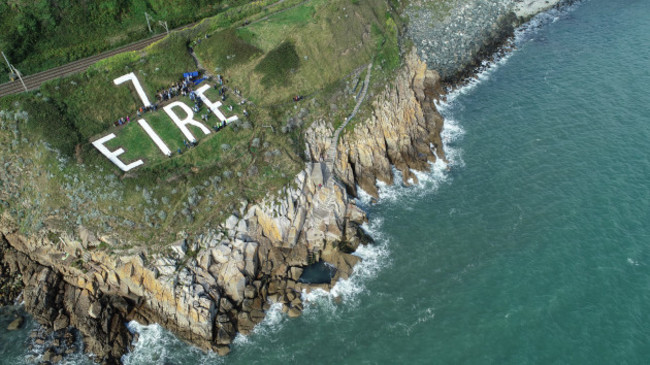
[534,249]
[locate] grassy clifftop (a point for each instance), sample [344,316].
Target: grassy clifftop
[268,51]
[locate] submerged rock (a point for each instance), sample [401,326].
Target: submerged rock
[16,324]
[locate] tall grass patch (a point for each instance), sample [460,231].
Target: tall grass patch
[278,65]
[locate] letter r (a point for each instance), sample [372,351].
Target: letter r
[182,124]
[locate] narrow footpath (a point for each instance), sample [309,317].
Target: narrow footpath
[326,168]
[331,152]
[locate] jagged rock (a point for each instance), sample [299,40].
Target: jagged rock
[244,323]
[294,312]
[180,248]
[48,355]
[233,281]
[296,272]
[257,315]
[226,305]
[250,292]
[61,322]
[299,256]
[95,310]
[231,222]
[221,254]
[223,350]
[16,324]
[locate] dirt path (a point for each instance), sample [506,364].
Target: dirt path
[331,152]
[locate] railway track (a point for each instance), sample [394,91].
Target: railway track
[34,81]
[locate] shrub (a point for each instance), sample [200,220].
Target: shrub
[278,64]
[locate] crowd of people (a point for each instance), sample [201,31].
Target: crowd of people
[122,121]
[184,87]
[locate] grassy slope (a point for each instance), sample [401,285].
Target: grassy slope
[329,41]
[197,189]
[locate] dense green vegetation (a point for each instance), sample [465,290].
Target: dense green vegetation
[316,48]
[40,34]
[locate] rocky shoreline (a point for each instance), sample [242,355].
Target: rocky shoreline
[472,32]
[211,286]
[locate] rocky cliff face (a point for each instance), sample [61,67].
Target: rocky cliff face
[403,131]
[208,288]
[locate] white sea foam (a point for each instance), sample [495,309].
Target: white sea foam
[156,345]
[374,257]
[273,321]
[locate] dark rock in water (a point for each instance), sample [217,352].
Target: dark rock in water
[16,324]
[48,355]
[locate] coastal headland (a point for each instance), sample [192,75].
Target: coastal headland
[204,239]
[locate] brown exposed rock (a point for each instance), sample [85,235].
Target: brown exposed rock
[403,131]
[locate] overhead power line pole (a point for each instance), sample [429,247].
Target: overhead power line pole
[164,25]
[14,70]
[149,18]
[20,77]
[6,60]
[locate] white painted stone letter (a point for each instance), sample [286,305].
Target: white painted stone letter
[155,137]
[214,106]
[138,88]
[99,144]
[182,124]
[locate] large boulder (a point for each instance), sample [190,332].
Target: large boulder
[234,282]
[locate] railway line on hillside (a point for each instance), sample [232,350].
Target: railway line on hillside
[33,82]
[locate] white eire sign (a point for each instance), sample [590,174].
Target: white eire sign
[169,109]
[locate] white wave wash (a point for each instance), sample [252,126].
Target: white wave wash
[273,321]
[374,257]
[156,345]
